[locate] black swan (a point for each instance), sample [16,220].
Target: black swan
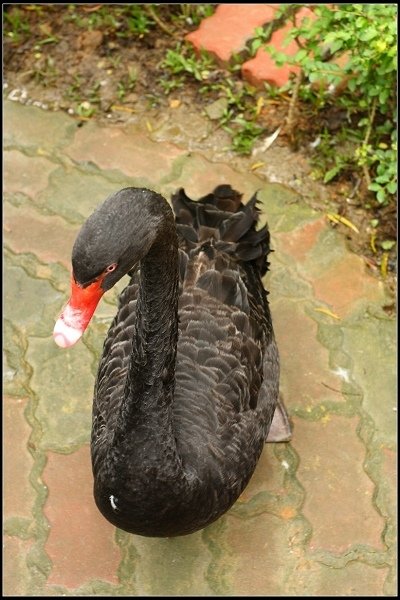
[187,385]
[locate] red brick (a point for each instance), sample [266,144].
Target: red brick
[263,68]
[227,30]
[81,542]
[338,499]
[18,493]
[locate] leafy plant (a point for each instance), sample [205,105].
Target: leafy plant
[127,84]
[365,36]
[16,26]
[244,134]
[193,14]
[85,109]
[183,60]
[138,20]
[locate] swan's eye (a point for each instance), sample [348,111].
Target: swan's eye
[111,268]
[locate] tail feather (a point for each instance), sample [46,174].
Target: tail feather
[222,216]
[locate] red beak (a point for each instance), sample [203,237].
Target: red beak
[76,315]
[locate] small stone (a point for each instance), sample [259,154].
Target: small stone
[90,40]
[215,111]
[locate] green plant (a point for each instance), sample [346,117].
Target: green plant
[169,85]
[184,61]
[128,83]
[244,133]
[123,20]
[85,109]
[385,180]
[260,37]
[138,20]
[240,113]
[193,14]
[366,36]
[101,18]
[16,26]
[73,91]
[45,71]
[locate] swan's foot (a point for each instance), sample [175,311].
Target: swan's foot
[280,430]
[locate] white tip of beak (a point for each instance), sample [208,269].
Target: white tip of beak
[64,335]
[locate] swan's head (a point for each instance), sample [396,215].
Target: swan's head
[112,240]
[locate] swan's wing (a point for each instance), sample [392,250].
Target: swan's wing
[227,374]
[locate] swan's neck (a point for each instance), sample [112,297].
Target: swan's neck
[147,403]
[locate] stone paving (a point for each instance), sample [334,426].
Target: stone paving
[319,515]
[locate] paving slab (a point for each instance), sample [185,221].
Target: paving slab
[50,238]
[24,174]
[81,543]
[15,570]
[114,149]
[319,515]
[29,132]
[19,494]
[338,493]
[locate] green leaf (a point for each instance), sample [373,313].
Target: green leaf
[330,37]
[300,54]
[352,84]
[368,34]
[336,45]
[329,175]
[374,187]
[255,45]
[314,77]
[388,244]
[381,196]
[383,96]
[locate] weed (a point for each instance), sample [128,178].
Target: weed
[138,20]
[127,84]
[244,134]
[16,25]
[193,14]
[93,94]
[45,71]
[73,92]
[169,85]
[183,60]
[99,19]
[85,109]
